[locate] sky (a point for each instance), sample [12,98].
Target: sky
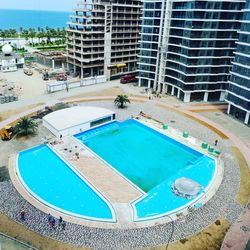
[60,5]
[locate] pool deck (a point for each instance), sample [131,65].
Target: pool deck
[101,176]
[105,179]
[222,204]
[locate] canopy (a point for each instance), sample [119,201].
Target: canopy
[73,120]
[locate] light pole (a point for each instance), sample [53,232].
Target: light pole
[172,230]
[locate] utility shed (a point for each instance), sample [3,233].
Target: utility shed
[71,121]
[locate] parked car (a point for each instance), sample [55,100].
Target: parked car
[46,76]
[28,71]
[61,77]
[128,78]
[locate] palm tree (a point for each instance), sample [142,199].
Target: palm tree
[48,35]
[121,101]
[32,34]
[25,34]
[26,126]
[40,35]
[3,34]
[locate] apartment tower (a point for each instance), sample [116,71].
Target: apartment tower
[187,47]
[238,92]
[103,38]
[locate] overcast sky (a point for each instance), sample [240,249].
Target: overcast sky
[60,5]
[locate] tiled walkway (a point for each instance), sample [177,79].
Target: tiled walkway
[97,172]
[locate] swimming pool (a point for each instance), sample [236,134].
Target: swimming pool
[147,159]
[151,161]
[56,184]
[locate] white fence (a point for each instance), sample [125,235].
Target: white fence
[64,85]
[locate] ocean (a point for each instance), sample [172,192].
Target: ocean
[15,19]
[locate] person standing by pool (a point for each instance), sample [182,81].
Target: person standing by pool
[61,222]
[49,217]
[22,214]
[51,220]
[60,219]
[63,225]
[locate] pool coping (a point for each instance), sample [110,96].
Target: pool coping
[65,212]
[111,167]
[219,169]
[202,198]
[182,231]
[163,218]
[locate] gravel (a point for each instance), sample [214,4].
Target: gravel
[223,203]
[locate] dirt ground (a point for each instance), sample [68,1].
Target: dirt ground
[106,92]
[244,191]
[16,230]
[208,239]
[30,85]
[7,114]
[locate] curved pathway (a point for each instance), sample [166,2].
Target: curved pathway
[208,123]
[223,204]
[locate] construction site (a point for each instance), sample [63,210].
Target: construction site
[103,38]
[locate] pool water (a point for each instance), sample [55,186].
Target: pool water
[141,154]
[47,176]
[151,161]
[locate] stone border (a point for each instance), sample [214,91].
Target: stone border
[139,223]
[223,204]
[194,116]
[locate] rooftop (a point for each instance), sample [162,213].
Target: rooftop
[70,117]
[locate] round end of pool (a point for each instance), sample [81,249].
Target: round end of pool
[152,177]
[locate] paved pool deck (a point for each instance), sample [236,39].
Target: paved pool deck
[222,204]
[118,191]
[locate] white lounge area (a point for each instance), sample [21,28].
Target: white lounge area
[71,121]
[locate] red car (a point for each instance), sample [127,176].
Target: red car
[128,78]
[61,77]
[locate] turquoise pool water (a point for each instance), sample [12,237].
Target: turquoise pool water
[52,180]
[150,160]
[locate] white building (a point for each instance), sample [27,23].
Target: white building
[71,121]
[10,61]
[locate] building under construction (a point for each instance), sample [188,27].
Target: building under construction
[103,38]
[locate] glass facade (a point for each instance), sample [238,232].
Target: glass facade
[150,40]
[200,44]
[238,92]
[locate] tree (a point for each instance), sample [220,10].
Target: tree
[32,34]
[121,101]
[25,34]
[48,35]
[3,34]
[26,126]
[40,35]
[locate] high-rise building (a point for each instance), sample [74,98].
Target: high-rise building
[187,47]
[238,91]
[103,37]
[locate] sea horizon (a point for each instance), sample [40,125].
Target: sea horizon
[26,19]
[36,10]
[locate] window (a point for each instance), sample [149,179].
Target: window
[100,121]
